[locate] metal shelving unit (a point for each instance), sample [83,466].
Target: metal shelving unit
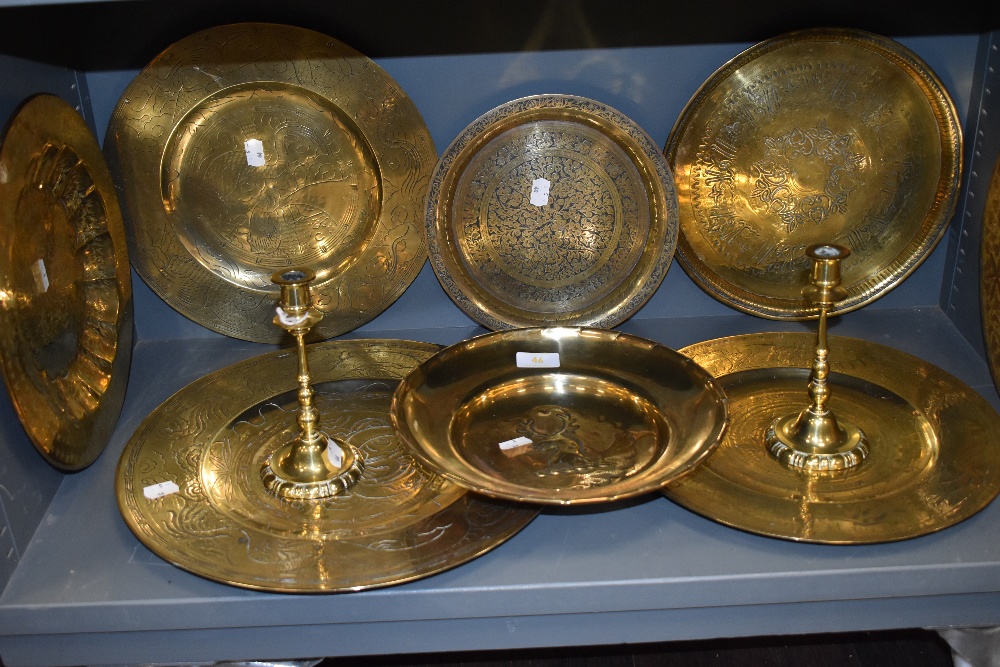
[77,588]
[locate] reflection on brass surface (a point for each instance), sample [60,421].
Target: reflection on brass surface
[932,461]
[989,278]
[65,288]
[618,416]
[551,210]
[247,149]
[398,523]
[813,137]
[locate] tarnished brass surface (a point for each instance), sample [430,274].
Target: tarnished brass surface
[989,275]
[399,522]
[933,457]
[339,189]
[590,252]
[65,289]
[619,416]
[817,136]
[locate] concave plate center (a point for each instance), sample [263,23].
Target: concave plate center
[558,431]
[263,176]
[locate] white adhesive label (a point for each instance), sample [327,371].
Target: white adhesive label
[540,192]
[255,152]
[41,276]
[155,491]
[287,319]
[537,360]
[515,447]
[334,453]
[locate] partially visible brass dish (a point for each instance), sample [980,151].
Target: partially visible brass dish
[399,522]
[65,289]
[989,275]
[818,136]
[932,462]
[560,415]
[247,149]
[551,210]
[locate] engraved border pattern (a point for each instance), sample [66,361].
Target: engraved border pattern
[158,99]
[439,243]
[934,225]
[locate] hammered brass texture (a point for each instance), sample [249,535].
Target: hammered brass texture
[618,416]
[65,289]
[589,251]
[336,184]
[989,275]
[933,457]
[399,522]
[818,136]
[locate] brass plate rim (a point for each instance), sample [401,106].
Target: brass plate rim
[172,549]
[945,201]
[358,289]
[447,258]
[67,448]
[459,470]
[989,280]
[714,496]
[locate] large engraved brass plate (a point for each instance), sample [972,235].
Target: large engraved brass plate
[65,289]
[397,523]
[819,136]
[248,149]
[933,459]
[989,278]
[560,415]
[551,210]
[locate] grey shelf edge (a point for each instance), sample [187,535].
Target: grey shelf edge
[644,570]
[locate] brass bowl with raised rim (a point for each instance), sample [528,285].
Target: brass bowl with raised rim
[560,415]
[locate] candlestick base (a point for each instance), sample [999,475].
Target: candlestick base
[814,441]
[305,470]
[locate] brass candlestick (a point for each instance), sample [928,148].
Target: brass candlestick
[815,439]
[313,465]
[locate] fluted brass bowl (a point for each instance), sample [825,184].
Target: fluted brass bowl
[560,415]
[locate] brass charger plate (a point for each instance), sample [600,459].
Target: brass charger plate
[589,250]
[560,415]
[933,460]
[818,136]
[248,149]
[989,278]
[65,289]
[397,523]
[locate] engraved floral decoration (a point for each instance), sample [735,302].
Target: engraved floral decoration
[806,175]
[400,523]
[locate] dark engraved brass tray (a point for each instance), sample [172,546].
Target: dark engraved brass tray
[397,523]
[336,183]
[933,459]
[65,289]
[588,247]
[819,136]
[617,416]
[989,278]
